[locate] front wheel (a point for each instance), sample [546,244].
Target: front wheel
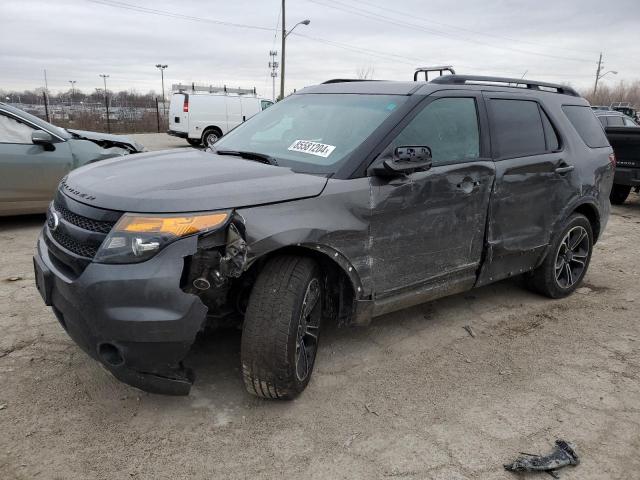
[281,326]
[567,261]
[619,194]
[210,136]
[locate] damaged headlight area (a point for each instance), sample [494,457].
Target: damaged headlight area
[138,237]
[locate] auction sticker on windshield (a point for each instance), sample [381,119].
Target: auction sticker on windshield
[312,148]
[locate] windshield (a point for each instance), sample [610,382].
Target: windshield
[312,133]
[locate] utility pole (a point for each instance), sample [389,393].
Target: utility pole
[273,65]
[162,67]
[106,100]
[46,96]
[595,86]
[284,38]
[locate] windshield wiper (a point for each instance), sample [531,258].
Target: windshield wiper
[257,157]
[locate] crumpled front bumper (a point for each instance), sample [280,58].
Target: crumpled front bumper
[133,318]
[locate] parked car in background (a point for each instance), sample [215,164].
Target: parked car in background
[203,115]
[343,202]
[613,118]
[624,136]
[35,155]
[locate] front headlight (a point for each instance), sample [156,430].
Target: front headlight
[137,237]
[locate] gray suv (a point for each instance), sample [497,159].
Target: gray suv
[345,201]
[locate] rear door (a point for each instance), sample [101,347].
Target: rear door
[179,112]
[429,226]
[533,184]
[234,112]
[30,174]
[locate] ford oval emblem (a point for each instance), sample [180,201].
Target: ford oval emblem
[53,221]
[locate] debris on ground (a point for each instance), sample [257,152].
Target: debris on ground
[3,406]
[14,278]
[370,410]
[470,330]
[564,454]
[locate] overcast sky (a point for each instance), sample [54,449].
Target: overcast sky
[556,40]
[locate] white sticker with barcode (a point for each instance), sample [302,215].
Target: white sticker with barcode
[312,148]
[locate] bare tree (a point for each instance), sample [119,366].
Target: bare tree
[365,73]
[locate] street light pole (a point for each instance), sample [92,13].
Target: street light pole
[284,38]
[73,84]
[162,67]
[106,101]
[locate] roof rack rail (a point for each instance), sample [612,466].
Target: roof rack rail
[437,68]
[345,80]
[178,87]
[505,82]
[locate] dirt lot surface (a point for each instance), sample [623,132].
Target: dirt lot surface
[159,141]
[413,396]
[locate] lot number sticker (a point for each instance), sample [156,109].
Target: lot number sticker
[312,148]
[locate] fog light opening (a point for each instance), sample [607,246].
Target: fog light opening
[110,354]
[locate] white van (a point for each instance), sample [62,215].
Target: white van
[202,117]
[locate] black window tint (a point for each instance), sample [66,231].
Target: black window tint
[585,123]
[517,128]
[449,126]
[550,134]
[615,121]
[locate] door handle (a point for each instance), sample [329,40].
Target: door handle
[564,169]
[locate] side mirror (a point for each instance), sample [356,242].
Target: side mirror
[40,137]
[405,160]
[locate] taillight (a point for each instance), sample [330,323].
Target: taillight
[185,105]
[612,159]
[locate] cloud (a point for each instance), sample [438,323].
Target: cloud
[79,39]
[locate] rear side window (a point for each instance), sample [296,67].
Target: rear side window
[517,128]
[615,121]
[586,124]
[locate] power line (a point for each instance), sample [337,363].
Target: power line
[390,20]
[476,32]
[164,13]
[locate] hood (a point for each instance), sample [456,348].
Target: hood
[186,181]
[107,140]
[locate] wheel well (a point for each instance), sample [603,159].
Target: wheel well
[339,287]
[211,127]
[592,215]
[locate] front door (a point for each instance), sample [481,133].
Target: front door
[30,174]
[429,226]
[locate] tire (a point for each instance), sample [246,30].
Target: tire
[194,142]
[210,136]
[619,194]
[568,259]
[279,343]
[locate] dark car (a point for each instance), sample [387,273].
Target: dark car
[345,201]
[35,155]
[624,136]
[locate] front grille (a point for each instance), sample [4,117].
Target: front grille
[73,245]
[83,222]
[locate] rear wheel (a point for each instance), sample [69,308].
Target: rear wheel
[567,261]
[619,194]
[281,326]
[210,136]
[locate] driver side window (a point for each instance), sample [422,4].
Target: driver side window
[12,131]
[449,126]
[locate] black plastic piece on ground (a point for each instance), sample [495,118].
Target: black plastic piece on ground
[563,455]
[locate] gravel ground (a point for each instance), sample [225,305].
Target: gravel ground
[413,396]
